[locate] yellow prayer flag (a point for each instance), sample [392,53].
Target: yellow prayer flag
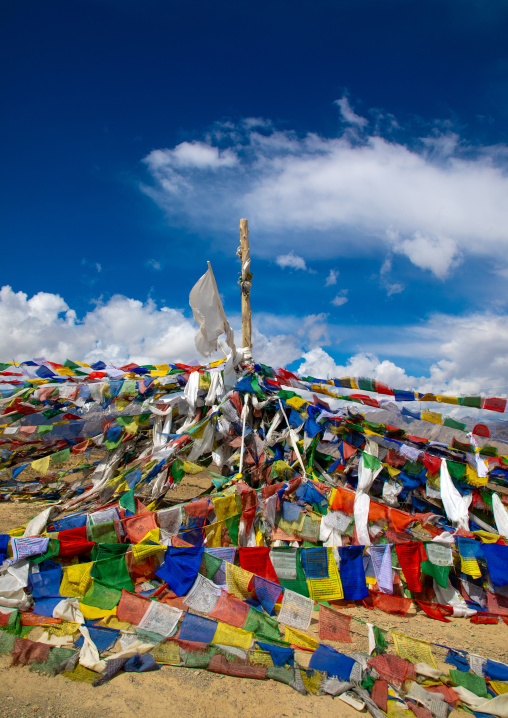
[312,681]
[392,470]
[487,536]
[297,638]
[228,635]
[167,652]
[330,588]
[260,658]
[447,399]
[432,416]
[91,613]
[237,580]
[191,468]
[76,579]
[152,535]
[413,650]
[296,402]
[225,506]
[41,465]
[213,534]
[470,567]
[473,478]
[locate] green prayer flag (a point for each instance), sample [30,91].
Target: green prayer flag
[456,470]
[262,626]
[233,525]
[113,573]
[439,573]
[475,684]
[475,401]
[298,585]
[44,428]
[103,533]
[128,502]
[370,462]
[60,457]
[380,638]
[102,596]
[177,471]
[452,424]
[210,564]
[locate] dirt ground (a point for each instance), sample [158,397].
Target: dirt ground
[175,692]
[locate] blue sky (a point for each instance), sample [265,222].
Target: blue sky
[366,143]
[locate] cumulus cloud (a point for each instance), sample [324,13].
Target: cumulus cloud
[435,199]
[331,278]
[116,330]
[321,365]
[123,329]
[458,354]
[340,298]
[291,261]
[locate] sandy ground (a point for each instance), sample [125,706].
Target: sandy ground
[176,692]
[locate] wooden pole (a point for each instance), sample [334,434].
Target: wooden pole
[245,284]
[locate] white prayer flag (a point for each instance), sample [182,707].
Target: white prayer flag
[209,314]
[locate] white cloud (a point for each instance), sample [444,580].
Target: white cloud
[340,299]
[154,264]
[321,365]
[390,287]
[438,254]
[462,355]
[194,155]
[332,278]
[124,329]
[348,114]
[436,199]
[291,261]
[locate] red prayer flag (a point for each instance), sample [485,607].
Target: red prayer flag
[73,542]
[379,694]
[257,560]
[334,625]
[410,558]
[436,610]
[494,404]
[485,618]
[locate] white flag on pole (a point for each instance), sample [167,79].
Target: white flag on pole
[209,314]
